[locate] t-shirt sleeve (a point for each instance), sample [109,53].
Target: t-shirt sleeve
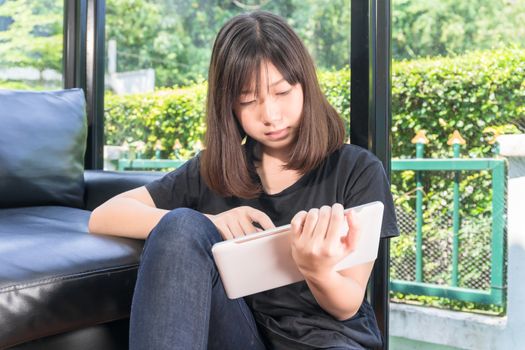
[179,188]
[370,185]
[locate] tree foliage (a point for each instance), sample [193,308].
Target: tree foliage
[175,37]
[33,37]
[449,27]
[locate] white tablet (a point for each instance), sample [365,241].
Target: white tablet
[263,260]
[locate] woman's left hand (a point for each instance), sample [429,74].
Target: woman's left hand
[317,238]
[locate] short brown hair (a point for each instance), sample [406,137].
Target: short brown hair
[242,44]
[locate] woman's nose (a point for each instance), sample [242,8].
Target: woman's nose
[270,112]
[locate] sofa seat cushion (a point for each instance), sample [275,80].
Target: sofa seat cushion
[55,276]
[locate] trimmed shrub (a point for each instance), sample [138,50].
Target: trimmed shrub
[469,93]
[165,115]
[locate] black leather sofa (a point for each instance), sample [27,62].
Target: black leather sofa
[60,287]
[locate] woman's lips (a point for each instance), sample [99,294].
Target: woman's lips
[277,135]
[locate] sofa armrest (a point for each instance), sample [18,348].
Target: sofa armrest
[102,185]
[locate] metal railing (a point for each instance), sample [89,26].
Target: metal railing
[142,164]
[495,294]
[134,160]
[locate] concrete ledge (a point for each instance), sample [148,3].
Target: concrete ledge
[446,328]
[512,145]
[409,344]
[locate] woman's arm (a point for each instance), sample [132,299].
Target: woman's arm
[341,293]
[130,214]
[133,214]
[317,247]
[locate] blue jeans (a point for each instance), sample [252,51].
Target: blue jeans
[179,300]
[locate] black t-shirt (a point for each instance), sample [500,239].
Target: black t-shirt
[289,317]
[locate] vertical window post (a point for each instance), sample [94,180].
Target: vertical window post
[370,118]
[84,28]
[74,57]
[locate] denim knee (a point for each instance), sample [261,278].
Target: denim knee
[185,228]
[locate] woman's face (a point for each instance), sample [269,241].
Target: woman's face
[272,118]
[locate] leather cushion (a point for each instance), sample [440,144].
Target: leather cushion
[42,146]
[108,336]
[56,277]
[102,185]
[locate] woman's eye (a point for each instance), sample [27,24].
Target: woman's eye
[246,103]
[282,93]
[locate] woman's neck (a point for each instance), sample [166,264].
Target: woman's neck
[274,177]
[271,156]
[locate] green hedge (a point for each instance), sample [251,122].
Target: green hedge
[468,93]
[165,115]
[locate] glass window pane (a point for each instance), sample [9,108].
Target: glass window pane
[457,82]
[31,44]
[158,53]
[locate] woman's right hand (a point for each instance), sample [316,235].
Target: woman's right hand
[238,222]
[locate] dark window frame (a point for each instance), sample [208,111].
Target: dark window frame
[370,118]
[83,60]
[84,29]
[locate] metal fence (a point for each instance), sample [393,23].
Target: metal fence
[134,160]
[451,254]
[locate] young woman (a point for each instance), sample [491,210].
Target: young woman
[274,155]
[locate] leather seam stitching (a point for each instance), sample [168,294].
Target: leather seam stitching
[79,275]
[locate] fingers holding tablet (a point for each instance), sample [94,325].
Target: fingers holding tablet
[316,238]
[239,222]
[353,231]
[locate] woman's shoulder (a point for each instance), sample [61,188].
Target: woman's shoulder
[195,162]
[189,169]
[355,155]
